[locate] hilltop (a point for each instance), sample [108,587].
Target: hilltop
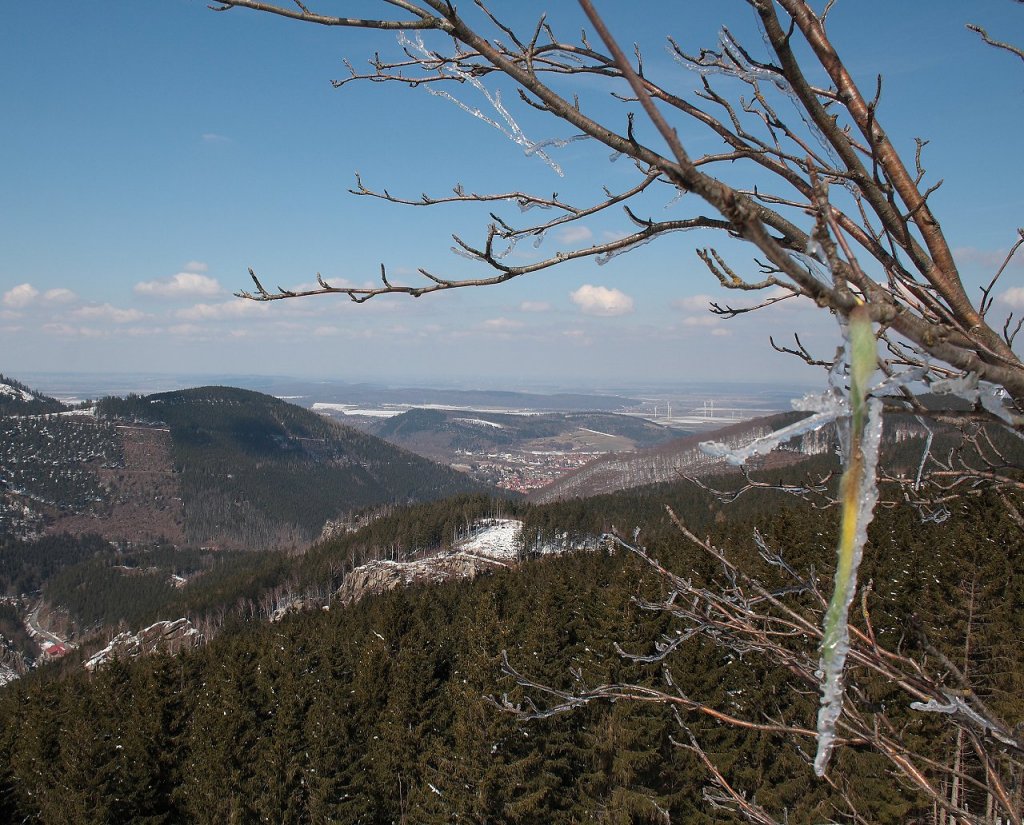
[517,451]
[18,399]
[254,470]
[211,466]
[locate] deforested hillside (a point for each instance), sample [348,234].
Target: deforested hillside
[909,447]
[56,467]
[255,471]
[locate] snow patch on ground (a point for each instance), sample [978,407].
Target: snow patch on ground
[14,392]
[499,539]
[350,409]
[481,421]
[7,674]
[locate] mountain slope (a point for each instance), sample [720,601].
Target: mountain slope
[441,434]
[17,399]
[257,471]
[669,461]
[313,718]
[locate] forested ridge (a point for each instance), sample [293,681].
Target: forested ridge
[18,399]
[460,430]
[377,712]
[256,472]
[213,466]
[98,586]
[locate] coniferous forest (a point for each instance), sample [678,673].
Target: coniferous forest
[388,710]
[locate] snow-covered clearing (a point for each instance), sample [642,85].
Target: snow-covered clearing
[14,392]
[7,674]
[481,421]
[499,540]
[351,409]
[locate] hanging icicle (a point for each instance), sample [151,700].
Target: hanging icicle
[858,493]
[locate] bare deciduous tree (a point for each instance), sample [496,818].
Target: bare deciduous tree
[834,210]
[835,213]
[813,241]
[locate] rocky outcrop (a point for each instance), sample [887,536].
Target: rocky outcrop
[166,637]
[12,663]
[298,605]
[381,576]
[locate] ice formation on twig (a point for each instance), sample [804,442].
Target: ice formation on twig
[849,402]
[602,259]
[510,129]
[971,389]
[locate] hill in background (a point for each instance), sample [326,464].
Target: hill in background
[256,471]
[17,399]
[212,466]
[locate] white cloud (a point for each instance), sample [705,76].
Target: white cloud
[990,259]
[693,302]
[69,331]
[214,312]
[702,321]
[196,266]
[1013,297]
[107,312]
[600,300]
[59,329]
[185,330]
[92,332]
[501,324]
[534,306]
[574,234]
[720,332]
[59,295]
[577,336]
[182,285]
[20,296]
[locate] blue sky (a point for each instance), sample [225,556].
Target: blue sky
[152,151]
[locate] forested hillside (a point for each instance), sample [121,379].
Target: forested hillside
[443,433]
[376,712]
[257,472]
[51,467]
[18,399]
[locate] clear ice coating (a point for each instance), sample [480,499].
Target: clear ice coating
[739,66]
[732,62]
[602,259]
[972,389]
[954,706]
[837,644]
[765,444]
[834,405]
[415,47]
